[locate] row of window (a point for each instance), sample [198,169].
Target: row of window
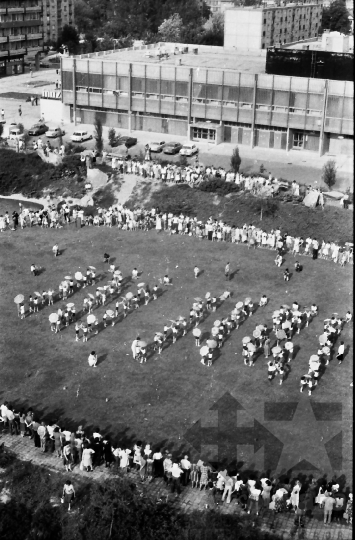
[19,17]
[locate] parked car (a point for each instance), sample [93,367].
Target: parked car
[172,148]
[188,149]
[54,132]
[127,141]
[80,136]
[157,146]
[37,129]
[15,133]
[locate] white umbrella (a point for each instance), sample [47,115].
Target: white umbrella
[239,305]
[100,288]
[251,347]
[276,349]
[211,343]
[323,339]
[78,276]
[214,331]
[91,296]
[247,300]
[141,285]
[71,305]
[208,295]
[38,294]
[204,350]
[246,339]
[256,333]
[68,277]
[286,324]
[129,295]
[91,318]
[110,313]
[276,314]
[196,332]
[326,350]
[92,267]
[217,323]
[53,317]
[288,345]
[142,344]
[314,358]
[19,299]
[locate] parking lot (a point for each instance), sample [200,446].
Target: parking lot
[302,166]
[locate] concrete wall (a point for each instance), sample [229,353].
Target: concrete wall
[53,110]
[340,146]
[243,29]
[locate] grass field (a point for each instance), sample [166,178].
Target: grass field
[162,399]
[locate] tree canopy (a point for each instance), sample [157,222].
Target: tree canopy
[336,17]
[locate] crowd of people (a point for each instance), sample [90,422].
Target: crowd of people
[254,495]
[212,229]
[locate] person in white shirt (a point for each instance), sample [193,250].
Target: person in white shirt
[92,359]
[341,350]
[186,467]
[348,316]
[176,472]
[263,300]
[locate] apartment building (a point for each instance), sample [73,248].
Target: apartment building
[21,33]
[259,28]
[56,14]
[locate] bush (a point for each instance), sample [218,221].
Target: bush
[71,149]
[98,134]
[236,160]
[219,186]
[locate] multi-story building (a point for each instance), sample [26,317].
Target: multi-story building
[219,5]
[56,14]
[259,28]
[229,99]
[21,33]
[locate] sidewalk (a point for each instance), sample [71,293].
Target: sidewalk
[190,499]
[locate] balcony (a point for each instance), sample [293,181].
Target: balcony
[19,37]
[3,39]
[34,49]
[4,53]
[33,8]
[35,36]
[2,11]
[16,52]
[16,10]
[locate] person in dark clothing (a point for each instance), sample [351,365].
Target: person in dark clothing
[107,453]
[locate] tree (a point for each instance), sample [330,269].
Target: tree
[329,173]
[267,207]
[236,160]
[1,130]
[336,17]
[213,30]
[98,134]
[26,139]
[21,127]
[69,36]
[112,137]
[170,29]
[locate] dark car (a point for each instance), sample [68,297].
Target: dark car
[37,129]
[127,141]
[172,148]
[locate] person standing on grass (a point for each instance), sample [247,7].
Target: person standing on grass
[135,346]
[227,271]
[329,503]
[92,359]
[68,493]
[20,111]
[42,433]
[341,350]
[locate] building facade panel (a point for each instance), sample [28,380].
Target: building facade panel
[161,102]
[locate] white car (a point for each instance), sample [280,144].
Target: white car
[81,136]
[54,132]
[15,133]
[188,149]
[156,146]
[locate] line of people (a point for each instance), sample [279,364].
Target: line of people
[213,229]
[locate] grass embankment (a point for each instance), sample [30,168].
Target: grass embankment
[331,224]
[29,175]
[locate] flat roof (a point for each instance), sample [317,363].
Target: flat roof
[233,60]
